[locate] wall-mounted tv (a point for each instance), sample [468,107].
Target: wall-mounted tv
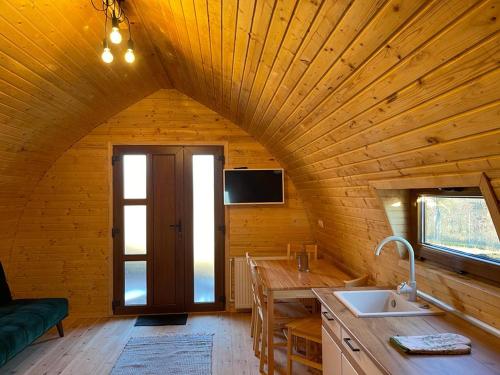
[254,186]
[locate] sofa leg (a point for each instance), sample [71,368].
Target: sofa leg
[60,329]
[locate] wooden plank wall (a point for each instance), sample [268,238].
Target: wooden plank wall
[63,242]
[340,92]
[344,92]
[54,88]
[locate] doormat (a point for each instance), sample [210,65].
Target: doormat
[162,320]
[170,354]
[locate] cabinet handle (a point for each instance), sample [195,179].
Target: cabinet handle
[347,340]
[327,315]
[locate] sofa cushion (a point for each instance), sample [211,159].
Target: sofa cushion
[23,321]
[5,295]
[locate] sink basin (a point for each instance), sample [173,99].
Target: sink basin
[382,303]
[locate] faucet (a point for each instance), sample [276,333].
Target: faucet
[411,288]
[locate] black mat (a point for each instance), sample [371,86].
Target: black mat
[162,320]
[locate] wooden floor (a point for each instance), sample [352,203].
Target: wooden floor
[92,346]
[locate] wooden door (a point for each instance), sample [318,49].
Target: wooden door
[155,267]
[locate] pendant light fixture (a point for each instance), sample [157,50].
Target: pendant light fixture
[115,36]
[113,10]
[106,55]
[129,55]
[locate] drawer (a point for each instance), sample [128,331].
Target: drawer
[351,346]
[330,322]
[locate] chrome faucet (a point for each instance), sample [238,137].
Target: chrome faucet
[403,288]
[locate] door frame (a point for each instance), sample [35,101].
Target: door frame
[225,285]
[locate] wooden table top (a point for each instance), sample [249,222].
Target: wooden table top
[284,275]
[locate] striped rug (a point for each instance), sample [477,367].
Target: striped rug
[189,354]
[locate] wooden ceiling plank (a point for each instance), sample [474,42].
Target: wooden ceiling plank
[451,76]
[280,23]
[14,86]
[357,17]
[264,11]
[477,146]
[200,61]
[466,124]
[146,50]
[68,56]
[163,31]
[214,10]
[35,70]
[311,27]
[483,88]
[477,25]
[186,30]
[204,38]
[229,19]
[244,21]
[386,23]
[408,41]
[91,23]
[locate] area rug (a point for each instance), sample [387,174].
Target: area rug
[162,320]
[169,354]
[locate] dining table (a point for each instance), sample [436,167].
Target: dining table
[281,279]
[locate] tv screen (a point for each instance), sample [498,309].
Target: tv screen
[253,186]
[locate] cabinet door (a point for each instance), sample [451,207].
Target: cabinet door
[347,368]
[332,356]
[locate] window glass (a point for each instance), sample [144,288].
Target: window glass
[462,224]
[134,176]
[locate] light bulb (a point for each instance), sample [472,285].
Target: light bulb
[115,36]
[106,55]
[129,55]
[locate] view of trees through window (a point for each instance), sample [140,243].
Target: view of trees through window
[460,223]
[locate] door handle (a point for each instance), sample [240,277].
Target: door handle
[178,226]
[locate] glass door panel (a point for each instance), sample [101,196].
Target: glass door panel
[135,220]
[136,290]
[203,228]
[134,176]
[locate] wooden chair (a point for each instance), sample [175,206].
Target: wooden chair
[254,316]
[283,314]
[292,249]
[308,329]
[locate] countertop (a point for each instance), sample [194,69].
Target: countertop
[373,335]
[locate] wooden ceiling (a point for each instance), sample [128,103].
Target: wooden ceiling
[339,91]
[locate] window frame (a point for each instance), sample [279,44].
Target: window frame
[443,256]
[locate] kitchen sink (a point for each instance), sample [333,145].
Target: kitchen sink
[382,303]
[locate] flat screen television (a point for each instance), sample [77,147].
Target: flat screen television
[253,186]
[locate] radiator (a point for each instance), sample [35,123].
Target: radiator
[242,284]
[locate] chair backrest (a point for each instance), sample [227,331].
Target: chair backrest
[5,295]
[257,285]
[293,249]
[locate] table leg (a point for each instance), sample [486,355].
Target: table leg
[270,333]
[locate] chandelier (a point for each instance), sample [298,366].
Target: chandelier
[113,11]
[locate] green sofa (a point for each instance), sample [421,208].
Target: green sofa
[22,321]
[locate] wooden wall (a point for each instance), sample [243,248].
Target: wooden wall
[345,92]
[340,92]
[63,241]
[54,89]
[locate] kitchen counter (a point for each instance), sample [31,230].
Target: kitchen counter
[372,335]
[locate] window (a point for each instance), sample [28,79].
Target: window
[454,228]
